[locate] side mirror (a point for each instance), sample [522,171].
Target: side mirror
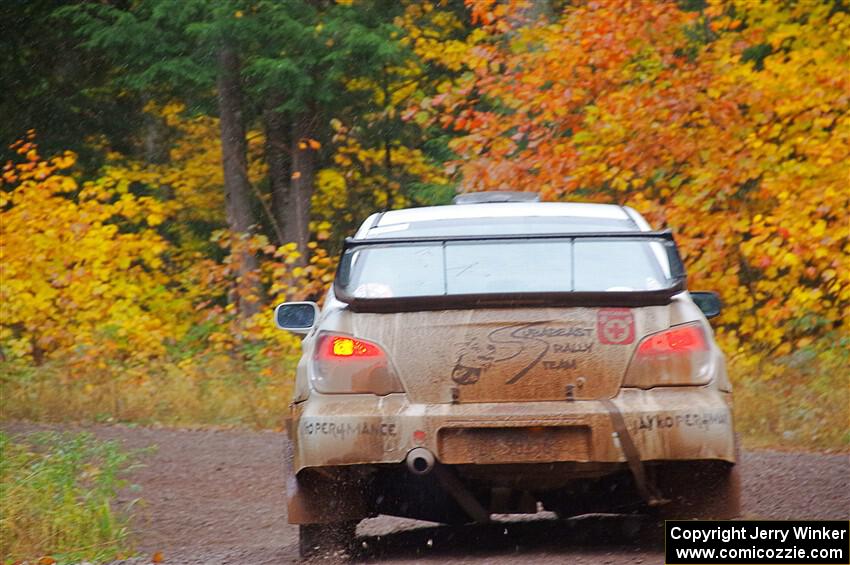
[296,317]
[708,302]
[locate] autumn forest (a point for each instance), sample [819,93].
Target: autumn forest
[172,169]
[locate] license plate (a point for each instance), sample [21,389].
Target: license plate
[531,444]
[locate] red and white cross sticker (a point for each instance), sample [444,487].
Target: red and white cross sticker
[616,326]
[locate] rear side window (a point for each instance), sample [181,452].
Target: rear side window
[504,266]
[617,265]
[392,271]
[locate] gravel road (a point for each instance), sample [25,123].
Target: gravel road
[216,497]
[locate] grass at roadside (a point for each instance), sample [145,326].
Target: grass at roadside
[57,494]
[222,392]
[812,413]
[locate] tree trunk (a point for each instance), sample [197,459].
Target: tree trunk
[277,159]
[237,189]
[155,137]
[297,212]
[388,170]
[388,159]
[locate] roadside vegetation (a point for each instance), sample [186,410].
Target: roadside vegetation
[225,394]
[807,409]
[57,499]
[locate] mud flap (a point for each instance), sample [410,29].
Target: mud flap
[319,497]
[702,490]
[646,488]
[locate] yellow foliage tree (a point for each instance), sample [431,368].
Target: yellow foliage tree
[83,266]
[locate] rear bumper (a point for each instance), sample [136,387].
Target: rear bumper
[686,423]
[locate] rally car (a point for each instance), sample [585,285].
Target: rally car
[501,355]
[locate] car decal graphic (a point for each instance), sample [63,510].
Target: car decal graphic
[531,341]
[616,326]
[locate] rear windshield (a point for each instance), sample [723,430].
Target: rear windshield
[448,268]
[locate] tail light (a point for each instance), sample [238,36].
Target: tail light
[348,365]
[678,356]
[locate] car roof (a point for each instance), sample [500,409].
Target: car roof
[539,217]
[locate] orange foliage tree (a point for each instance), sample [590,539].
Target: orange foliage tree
[732,126]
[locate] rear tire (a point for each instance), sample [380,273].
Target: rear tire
[326,539]
[700,490]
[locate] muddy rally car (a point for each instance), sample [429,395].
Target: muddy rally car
[502,356]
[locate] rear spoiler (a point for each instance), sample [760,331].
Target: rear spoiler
[638,298]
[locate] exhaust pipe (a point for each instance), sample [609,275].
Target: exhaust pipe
[420,461]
